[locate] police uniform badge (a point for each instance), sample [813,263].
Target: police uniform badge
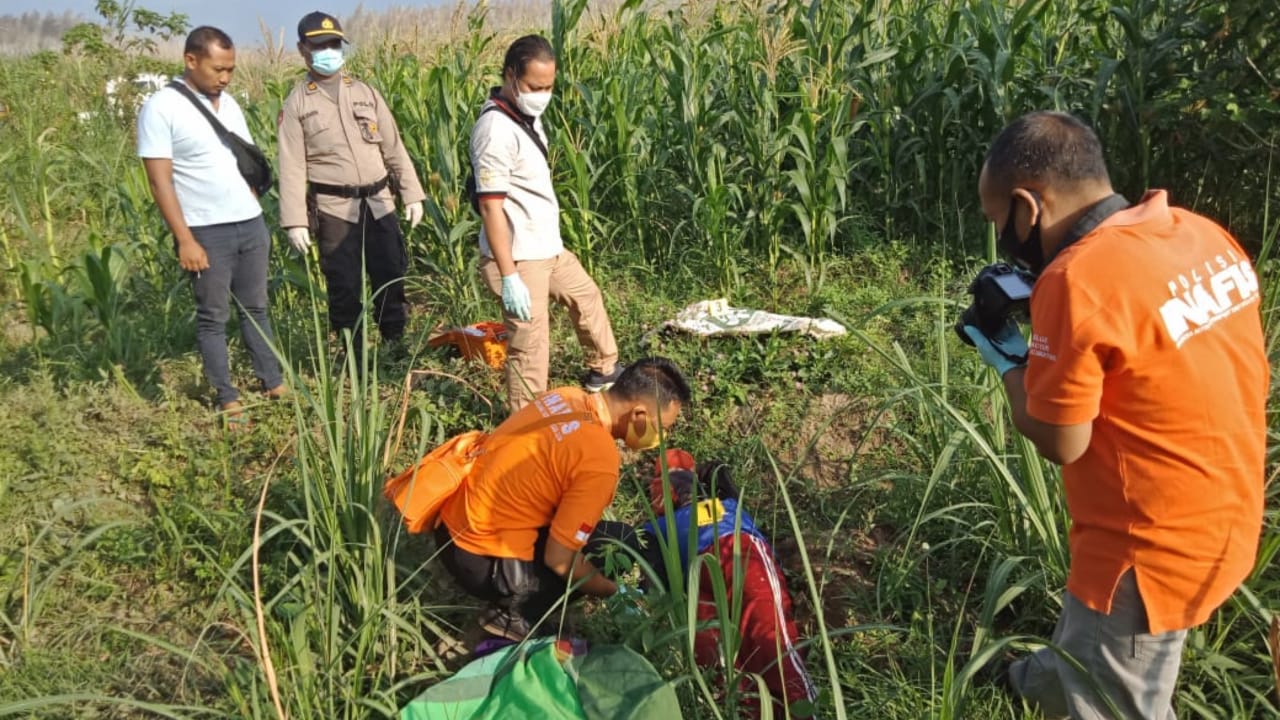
[369,130]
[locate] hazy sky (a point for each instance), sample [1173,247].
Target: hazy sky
[238,17]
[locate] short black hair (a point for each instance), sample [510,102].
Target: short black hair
[652,376]
[524,51]
[200,39]
[1046,148]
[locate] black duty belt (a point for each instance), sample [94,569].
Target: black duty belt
[350,191]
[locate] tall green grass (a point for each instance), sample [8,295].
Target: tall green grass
[764,151]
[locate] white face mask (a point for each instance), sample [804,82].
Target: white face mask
[533,103]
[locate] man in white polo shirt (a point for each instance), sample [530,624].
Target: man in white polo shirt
[218,229]
[525,261]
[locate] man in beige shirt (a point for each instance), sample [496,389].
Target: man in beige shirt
[525,262]
[341,158]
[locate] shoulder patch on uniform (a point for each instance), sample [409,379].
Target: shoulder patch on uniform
[280,117]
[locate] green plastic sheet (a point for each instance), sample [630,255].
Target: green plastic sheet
[539,680]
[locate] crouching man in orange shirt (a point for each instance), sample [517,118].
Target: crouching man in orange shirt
[520,529]
[1146,379]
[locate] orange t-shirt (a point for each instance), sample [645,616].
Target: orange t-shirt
[552,463]
[1149,327]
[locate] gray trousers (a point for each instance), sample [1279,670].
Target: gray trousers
[1136,670]
[237,270]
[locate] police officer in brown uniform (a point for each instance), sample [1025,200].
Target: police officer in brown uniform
[341,159]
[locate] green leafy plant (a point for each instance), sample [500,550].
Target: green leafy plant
[118,33]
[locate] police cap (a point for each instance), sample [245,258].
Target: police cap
[318,27]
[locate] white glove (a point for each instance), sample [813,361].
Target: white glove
[413,213]
[300,239]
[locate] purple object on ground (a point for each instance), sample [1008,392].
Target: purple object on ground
[489,645]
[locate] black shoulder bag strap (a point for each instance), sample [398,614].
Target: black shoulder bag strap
[501,106]
[250,160]
[222,131]
[1092,218]
[526,126]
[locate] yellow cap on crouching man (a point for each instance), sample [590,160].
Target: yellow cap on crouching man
[318,26]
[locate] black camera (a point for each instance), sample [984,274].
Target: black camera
[1000,292]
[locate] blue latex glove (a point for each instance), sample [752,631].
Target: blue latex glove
[624,591]
[1004,352]
[515,297]
[629,598]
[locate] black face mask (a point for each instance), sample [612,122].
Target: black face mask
[1029,254]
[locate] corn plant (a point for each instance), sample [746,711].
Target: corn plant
[48,304]
[601,98]
[435,107]
[579,223]
[713,146]
[102,278]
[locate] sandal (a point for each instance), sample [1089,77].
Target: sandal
[234,418]
[278,392]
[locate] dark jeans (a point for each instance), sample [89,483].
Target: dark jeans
[237,269]
[529,588]
[347,251]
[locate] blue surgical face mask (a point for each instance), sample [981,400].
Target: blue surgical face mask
[327,61]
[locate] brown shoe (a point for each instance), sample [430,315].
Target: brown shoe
[277,393]
[234,418]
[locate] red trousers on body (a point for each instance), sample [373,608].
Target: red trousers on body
[769,639]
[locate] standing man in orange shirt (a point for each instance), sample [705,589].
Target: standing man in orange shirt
[1146,379]
[519,531]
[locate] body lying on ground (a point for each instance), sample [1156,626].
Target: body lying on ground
[721,528]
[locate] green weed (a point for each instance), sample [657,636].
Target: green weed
[805,157]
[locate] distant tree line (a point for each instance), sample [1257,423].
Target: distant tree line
[34,31]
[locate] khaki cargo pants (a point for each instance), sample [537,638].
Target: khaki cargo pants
[563,279]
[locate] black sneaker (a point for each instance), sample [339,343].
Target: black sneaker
[596,382]
[394,349]
[500,622]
